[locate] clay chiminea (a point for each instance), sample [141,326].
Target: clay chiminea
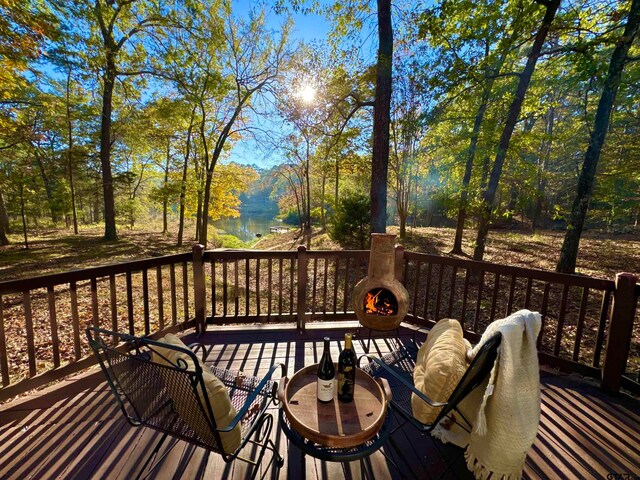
[379,300]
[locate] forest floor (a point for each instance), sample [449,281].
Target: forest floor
[601,255]
[52,251]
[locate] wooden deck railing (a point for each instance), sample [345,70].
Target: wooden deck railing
[576,310]
[588,323]
[42,319]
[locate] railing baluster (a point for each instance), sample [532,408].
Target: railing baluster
[130,304]
[315,282]
[280,262]
[236,294]
[405,270]
[494,299]
[604,316]
[174,296]
[75,320]
[94,302]
[580,326]
[224,287]
[160,297]
[563,310]
[247,284]
[512,289]
[476,319]
[416,283]
[324,291]
[291,276]
[53,323]
[452,291]
[258,286]
[4,367]
[543,311]
[439,291]
[185,289]
[527,298]
[269,286]
[335,287]
[145,301]
[212,262]
[345,302]
[114,307]
[427,291]
[31,349]
[463,315]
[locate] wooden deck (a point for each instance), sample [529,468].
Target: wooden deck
[74,429]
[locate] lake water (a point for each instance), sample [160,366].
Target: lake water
[245,227]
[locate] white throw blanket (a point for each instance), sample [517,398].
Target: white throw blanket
[505,418]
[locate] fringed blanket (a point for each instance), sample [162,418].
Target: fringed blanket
[506,413]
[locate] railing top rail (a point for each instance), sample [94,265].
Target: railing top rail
[337,253]
[555,277]
[247,254]
[43,281]
[265,254]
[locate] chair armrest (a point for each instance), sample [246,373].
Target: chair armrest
[250,399]
[401,380]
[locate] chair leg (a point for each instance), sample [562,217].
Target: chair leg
[153,453]
[267,425]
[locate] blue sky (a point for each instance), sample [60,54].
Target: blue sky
[307,28]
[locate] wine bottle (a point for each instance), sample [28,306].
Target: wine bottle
[326,375]
[346,371]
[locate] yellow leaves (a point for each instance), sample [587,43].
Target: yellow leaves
[228,182]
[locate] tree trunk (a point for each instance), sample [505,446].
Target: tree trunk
[569,251]
[323,219]
[489,193]
[544,160]
[108,78]
[4,222]
[70,154]
[336,193]
[47,187]
[165,200]
[217,151]
[464,194]
[307,222]
[199,216]
[23,215]
[183,185]
[381,119]
[205,209]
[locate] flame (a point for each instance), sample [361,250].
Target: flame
[374,305]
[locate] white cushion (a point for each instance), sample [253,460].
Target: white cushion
[440,365]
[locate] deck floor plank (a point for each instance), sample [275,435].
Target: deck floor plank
[75,430]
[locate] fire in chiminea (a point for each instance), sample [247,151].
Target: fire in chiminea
[380,301]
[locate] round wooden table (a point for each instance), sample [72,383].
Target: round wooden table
[334,431]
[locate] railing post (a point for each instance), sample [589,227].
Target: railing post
[199,288]
[302,285]
[620,331]
[399,262]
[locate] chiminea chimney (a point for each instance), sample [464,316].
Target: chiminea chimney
[379,300]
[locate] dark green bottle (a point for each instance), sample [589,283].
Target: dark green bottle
[326,375]
[346,371]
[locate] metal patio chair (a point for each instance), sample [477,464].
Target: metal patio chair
[140,387]
[398,366]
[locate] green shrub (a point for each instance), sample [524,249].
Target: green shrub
[351,225]
[222,240]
